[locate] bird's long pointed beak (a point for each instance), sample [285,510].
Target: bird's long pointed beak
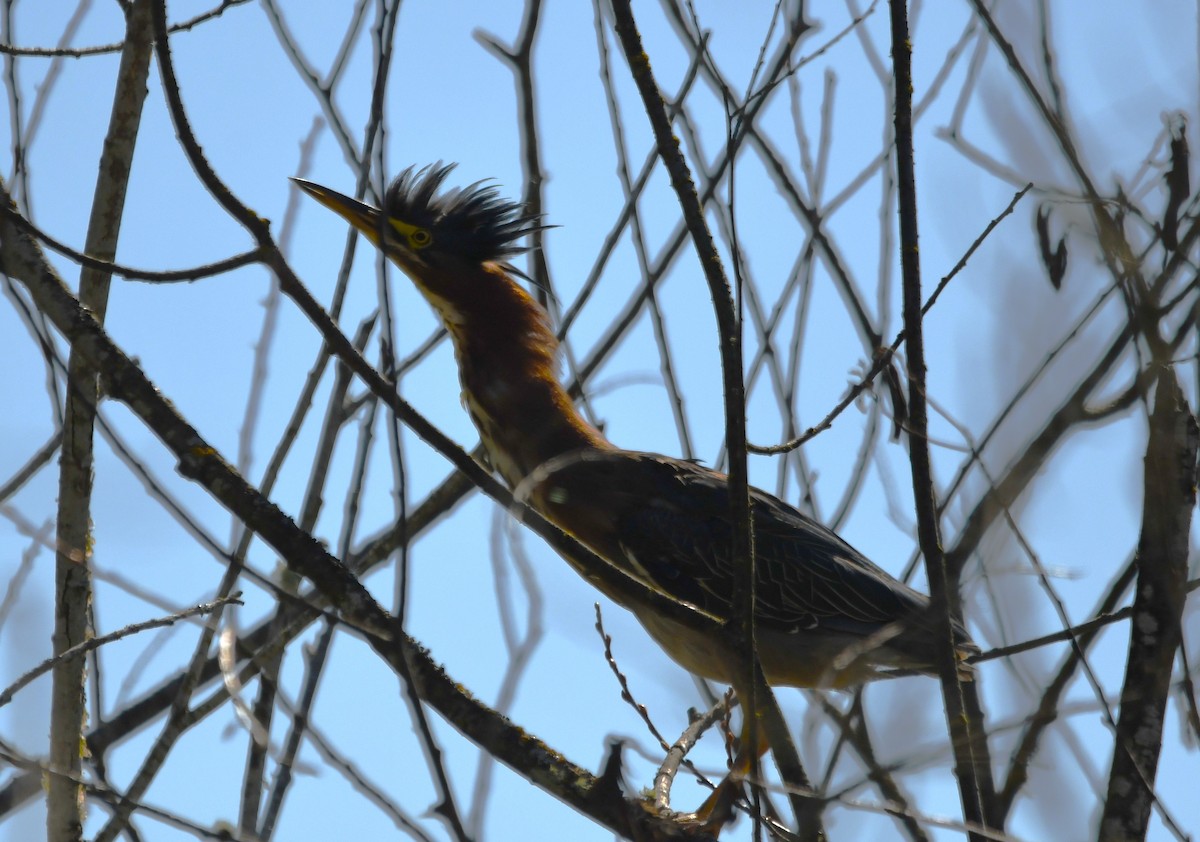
[363,217]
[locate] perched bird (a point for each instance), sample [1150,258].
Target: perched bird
[825,615]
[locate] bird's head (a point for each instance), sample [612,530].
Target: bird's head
[430,232]
[454,244]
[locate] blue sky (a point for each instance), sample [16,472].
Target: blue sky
[450,99]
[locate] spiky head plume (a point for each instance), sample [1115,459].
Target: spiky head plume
[475,221]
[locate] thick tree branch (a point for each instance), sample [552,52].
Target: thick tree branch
[1156,627]
[73,580]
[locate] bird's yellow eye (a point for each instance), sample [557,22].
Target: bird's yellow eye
[415,238]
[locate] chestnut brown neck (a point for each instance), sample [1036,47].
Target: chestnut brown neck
[507,361]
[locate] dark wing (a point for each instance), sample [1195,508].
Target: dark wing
[668,521]
[807,575]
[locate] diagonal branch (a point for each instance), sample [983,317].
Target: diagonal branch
[199,461]
[970,764]
[751,686]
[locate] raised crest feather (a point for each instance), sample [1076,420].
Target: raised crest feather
[475,221]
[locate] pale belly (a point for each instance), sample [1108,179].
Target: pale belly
[798,659]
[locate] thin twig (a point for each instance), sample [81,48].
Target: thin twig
[94,643]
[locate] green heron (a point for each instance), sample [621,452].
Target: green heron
[825,615]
